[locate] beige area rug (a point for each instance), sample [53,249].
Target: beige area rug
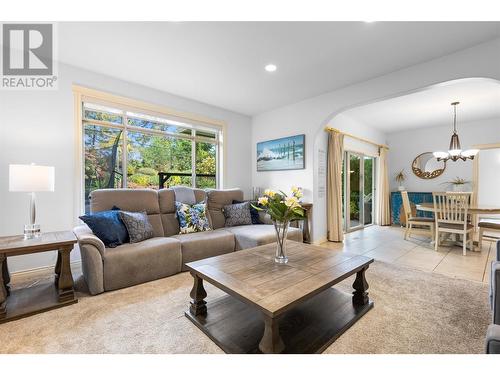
[415,312]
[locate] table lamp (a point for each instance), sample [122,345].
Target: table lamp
[31,178]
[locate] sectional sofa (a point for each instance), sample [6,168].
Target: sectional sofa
[167,253]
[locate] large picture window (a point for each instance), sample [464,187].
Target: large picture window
[127,148]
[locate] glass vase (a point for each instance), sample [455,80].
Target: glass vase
[281,228]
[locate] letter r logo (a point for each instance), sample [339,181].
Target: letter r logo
[27,49]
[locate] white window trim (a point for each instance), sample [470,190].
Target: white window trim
[83,94]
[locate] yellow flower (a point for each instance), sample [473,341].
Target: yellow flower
[263,201]
[291,202]
[270,193]
[297,192]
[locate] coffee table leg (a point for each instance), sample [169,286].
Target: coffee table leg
[360,285]
[198,304]
[271,342]
[65,279]
[3,286]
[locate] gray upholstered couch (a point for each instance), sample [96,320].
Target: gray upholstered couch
[167,253]
[493,335]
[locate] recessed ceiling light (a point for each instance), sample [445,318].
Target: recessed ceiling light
[270,68]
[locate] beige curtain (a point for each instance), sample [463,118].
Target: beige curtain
[383,209]
[334,186]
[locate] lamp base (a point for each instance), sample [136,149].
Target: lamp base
[31,231]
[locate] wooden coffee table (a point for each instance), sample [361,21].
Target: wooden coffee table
[278,308]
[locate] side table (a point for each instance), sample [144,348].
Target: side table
[19,303]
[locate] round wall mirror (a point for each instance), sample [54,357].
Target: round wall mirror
[426,166]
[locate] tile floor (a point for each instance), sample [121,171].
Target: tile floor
[388,245]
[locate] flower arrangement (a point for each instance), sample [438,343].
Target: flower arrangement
[280,206]
[282,209]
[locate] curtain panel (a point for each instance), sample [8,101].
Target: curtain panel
[334,183]
[383,211]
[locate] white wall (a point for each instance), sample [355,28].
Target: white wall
[38,126]
[311,115]
[405,146]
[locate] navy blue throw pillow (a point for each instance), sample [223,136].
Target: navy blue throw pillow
[107,226]
[253,212]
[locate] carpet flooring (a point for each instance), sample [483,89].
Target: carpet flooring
[415,312]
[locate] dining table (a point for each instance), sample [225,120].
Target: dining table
[473,210]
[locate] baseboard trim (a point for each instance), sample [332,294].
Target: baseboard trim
[320,241]
[41,269]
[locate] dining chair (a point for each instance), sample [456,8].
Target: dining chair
[451,216]
[488,225]
[416,220]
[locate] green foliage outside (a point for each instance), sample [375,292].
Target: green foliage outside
[146,156]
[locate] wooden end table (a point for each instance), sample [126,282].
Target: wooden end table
[19,303]
[278,308]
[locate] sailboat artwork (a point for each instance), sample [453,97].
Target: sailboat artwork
[281,154]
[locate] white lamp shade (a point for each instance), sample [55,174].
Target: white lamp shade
[440,154]
[30,178]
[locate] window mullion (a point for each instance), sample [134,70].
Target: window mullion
[193,159]
[124,152]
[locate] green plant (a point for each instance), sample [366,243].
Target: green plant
[400,177]
[456,181]
[280,206]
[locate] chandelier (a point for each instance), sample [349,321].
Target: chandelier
[455,151]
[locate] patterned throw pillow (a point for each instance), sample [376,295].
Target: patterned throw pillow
[192,218]
[238,214]
[254,213]
[138,226]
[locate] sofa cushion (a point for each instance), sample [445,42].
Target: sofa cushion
[133,200]
[200,245]
[138,226]
[217,199]
[237,214]
[247,236]
[169,220]
[137,263]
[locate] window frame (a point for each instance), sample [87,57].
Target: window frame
[126,105]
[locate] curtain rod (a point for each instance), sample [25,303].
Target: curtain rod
[330,129]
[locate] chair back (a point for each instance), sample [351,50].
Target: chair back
[451,208]
[406,204]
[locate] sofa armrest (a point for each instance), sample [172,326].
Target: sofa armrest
[86,237]
[91,251]
[495,291]
[493,339]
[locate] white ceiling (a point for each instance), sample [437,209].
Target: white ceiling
[222,63]
[479,99]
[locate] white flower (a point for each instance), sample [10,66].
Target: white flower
[291,202]
[263,201]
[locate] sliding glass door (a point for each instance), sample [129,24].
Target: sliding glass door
[358,190]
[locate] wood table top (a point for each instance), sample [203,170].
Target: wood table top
[480,209]
[252,275]
[17,245]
